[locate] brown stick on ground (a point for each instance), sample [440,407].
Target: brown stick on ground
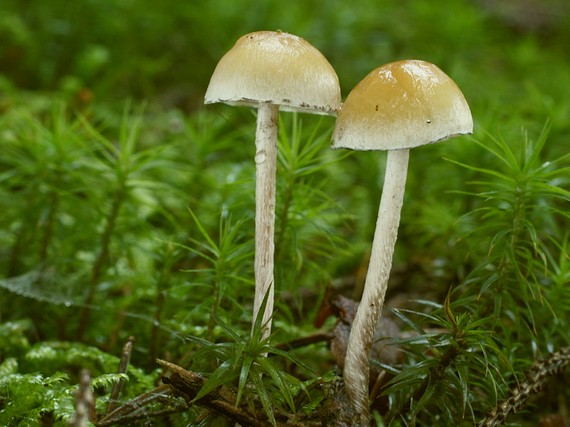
[136,408]
[187,384]
[536,380]
[123,366]
[84,402]
[334,410]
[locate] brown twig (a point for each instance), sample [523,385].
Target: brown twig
[536,380]
[187,384]
[307,340]
[123,366]
[84,402]
[334,410]
[135,408]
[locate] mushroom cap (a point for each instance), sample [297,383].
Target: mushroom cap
[402,105]
[278,68]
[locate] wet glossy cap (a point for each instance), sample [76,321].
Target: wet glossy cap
[277,68]
[401,105]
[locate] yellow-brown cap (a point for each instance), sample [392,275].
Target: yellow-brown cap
[278,68]
[402,105]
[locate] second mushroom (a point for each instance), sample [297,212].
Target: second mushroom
[396,107]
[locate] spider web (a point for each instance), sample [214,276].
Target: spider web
[39,286]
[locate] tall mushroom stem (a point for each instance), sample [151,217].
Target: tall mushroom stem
[265,183]
[357,362]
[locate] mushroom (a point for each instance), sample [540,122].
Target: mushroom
[270,70]
[396,107]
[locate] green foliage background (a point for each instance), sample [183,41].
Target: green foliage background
[126,206]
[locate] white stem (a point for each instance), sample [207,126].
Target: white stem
[357,361]
[265,182]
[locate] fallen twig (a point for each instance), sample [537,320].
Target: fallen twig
[123,366]
[537,377]
[84,402]
[137,407]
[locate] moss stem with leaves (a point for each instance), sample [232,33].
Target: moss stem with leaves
[121,163]
[102,257]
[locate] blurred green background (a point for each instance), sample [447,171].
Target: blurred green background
[501,53]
